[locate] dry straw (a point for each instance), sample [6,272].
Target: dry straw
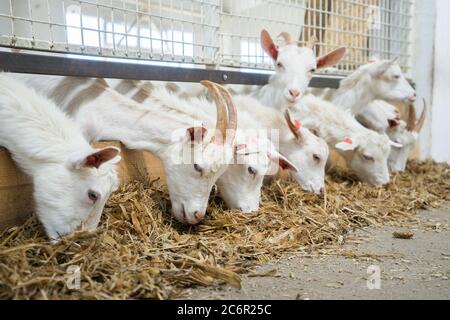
[140,252]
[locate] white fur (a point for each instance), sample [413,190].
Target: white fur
[240,185]
[295,73]
[256,117]
[110,115]
[376,116]
[302,153]
[335,126]
[51,149]
[256,120]
[294,69]
[380,80]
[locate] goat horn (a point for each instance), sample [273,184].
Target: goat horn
[222,119]
[286,37]
[421,122]
[311,42]
[412,118]
[232,114]
[292,126]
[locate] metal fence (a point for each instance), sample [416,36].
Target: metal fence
[215,34]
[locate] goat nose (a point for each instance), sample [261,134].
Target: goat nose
[413,97]
[199,215]
[294,92]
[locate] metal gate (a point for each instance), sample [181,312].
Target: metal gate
[218,39]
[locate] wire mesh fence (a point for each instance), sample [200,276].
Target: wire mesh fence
[211,33]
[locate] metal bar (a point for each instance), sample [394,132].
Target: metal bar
[214,33]
[68,66]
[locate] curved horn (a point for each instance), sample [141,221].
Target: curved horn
[421,122]
[232,114]
[311,42]
[411,124]
[286,37]
[292,126]
[222,119]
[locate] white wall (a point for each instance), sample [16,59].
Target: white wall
[423,49]
[440,128]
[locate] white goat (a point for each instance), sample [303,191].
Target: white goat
[385,118]
[240,186]
[378,80]
[368,154]
[71,180]
[193,157]
[365,151]
[294,68]
[305,151]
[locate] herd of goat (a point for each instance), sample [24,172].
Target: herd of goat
[204,135]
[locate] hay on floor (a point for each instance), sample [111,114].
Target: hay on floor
[139,251]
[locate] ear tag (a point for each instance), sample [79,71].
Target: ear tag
[346,145]
[298,125]
[348,140]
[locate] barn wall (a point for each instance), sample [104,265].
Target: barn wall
[423,38]
[440,130]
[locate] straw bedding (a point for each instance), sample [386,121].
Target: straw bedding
[139,251]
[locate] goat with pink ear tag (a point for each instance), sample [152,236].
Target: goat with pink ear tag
[72,181]
[255,156]
[307,152]
[384,118]
[294,68]
[365,151]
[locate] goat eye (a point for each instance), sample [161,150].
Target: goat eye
[312,70]
[279,65]
[316,158]
[198,168]
[252,171]
[93,196]
[396,77]
[368,158]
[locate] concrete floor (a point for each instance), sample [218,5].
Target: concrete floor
[408,269]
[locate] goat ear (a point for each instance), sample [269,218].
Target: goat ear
[97,159]
[393,123]
[382,68]
[268,45]
[295,126]
[331,58]
[282,161]
[196,134]
[346,145]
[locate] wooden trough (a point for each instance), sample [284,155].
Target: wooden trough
[16,188]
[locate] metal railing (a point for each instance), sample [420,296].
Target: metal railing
[208,34]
